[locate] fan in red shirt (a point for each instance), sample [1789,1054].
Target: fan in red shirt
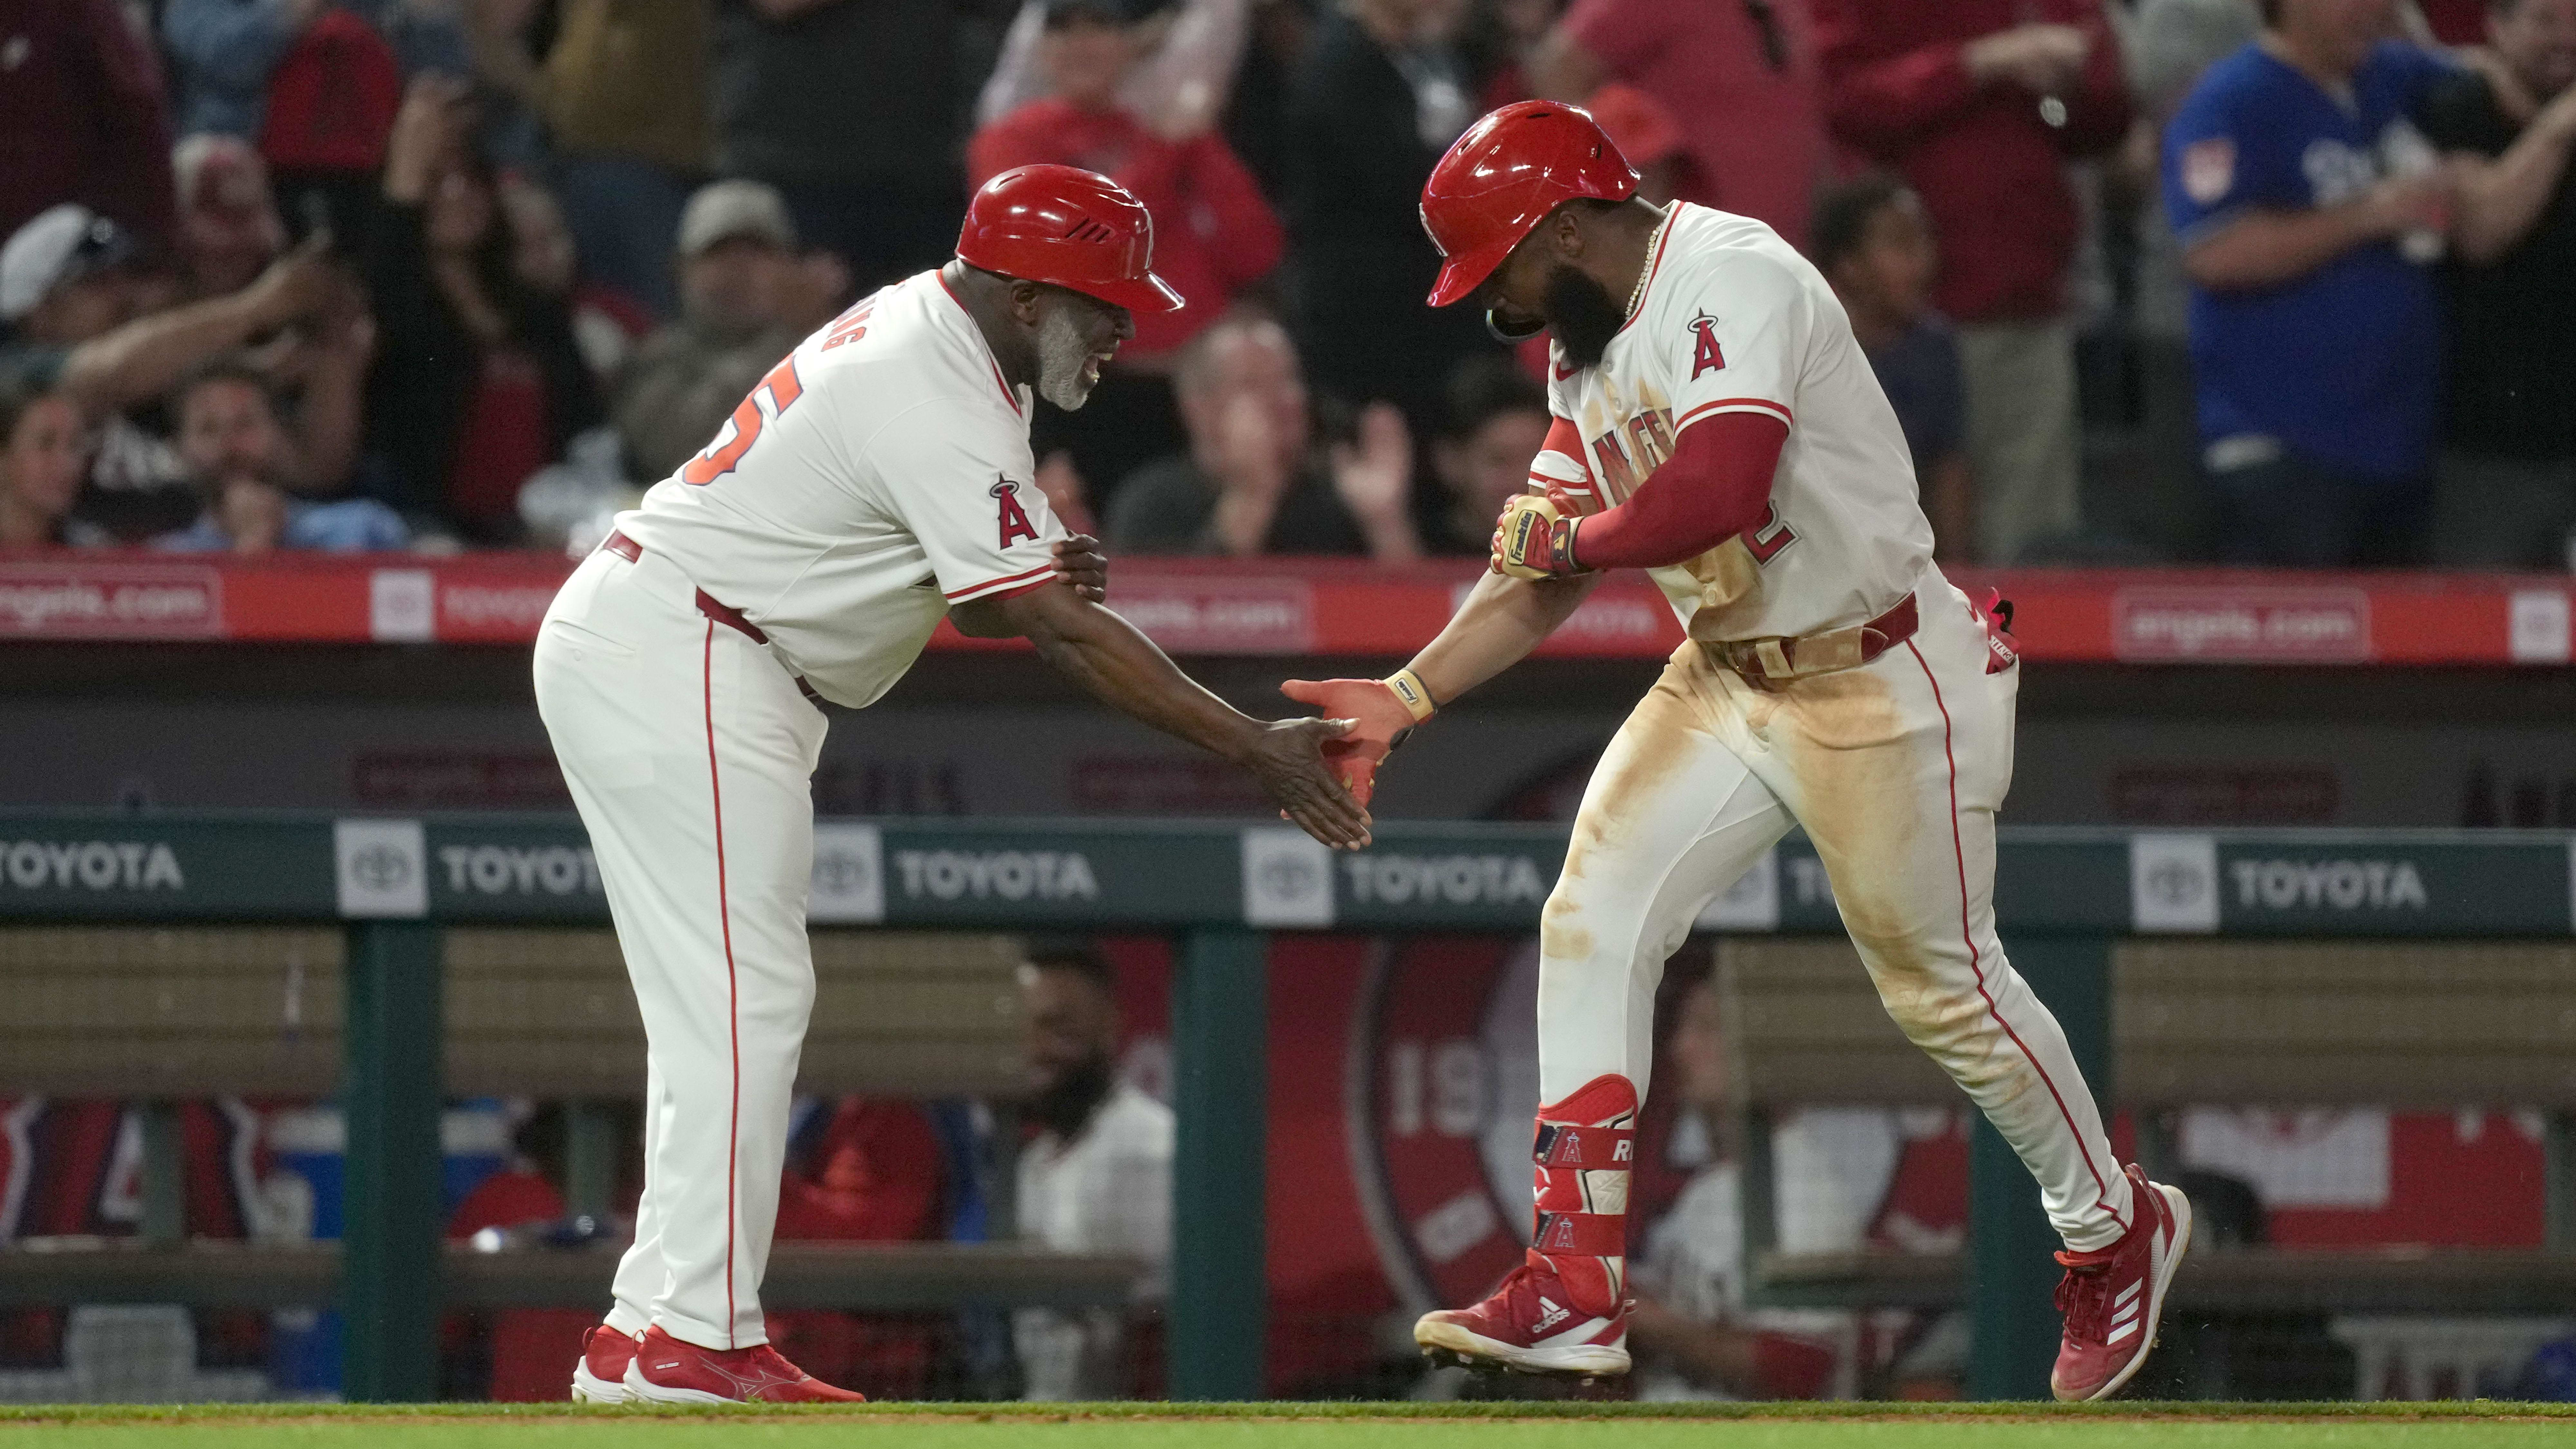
[1214,235]
[1979,105]
[1737,76]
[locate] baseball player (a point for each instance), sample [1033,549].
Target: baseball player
[876,481]
[1717,426]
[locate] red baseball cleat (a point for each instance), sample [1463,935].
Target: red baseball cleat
[1530,1326]
[2114,1299]
[599,1376]
[666,1370]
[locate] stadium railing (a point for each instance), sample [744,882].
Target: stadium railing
[469,955]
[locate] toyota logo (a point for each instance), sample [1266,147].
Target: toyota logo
[381,867]
[2176,882]
[841,873]
[1289,877]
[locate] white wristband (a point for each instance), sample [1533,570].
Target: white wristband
[1408,687]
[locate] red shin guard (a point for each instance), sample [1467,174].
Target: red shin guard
[1584,1149]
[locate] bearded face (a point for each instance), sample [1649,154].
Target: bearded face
[1582,314]
[1076,337]
[1067,370]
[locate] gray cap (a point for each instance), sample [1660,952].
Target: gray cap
[723,210]
[60,244]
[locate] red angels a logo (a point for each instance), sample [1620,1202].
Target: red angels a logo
[1706,355]
[1015,520]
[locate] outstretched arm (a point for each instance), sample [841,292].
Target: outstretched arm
[1121,668]
[1502,620]
[1714,487]
[147,357]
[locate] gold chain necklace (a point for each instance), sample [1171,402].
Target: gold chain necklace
[1637,297]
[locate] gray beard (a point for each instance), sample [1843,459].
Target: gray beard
[1061,354]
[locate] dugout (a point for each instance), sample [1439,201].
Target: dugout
[299,954]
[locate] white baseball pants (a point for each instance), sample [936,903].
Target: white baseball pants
[1895,769]
[690,751]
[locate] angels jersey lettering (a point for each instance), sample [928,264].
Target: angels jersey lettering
[1734,320]
[876,476]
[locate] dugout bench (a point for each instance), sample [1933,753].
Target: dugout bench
[160,1015]
[490,925]
[2439,1024]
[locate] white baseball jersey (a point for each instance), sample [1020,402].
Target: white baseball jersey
[1734,320]
[876,476]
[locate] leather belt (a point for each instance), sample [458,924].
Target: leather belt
[1771,664]
[723,613]
[730,617]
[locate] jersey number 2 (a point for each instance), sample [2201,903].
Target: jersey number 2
[1766,541]
[720,457]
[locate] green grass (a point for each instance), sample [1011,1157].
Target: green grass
[1308,1426]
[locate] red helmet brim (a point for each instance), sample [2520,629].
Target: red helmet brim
[1148,294]
[1467,271]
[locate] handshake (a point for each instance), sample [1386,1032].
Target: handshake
[1533,539]
[1381,713]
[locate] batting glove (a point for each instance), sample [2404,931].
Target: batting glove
[1385,711]
[1534,539]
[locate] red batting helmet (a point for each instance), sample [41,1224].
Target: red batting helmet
[1504,176]
[1070,228]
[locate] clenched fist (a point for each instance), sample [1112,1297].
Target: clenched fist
[1534,538]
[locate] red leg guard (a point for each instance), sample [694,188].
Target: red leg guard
[1584,1148]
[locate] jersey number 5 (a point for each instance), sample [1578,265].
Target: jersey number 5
[743,428]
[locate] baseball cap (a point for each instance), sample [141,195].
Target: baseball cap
[60,244]
[723,210]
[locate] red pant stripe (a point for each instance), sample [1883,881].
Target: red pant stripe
[1959,850]
[733,992]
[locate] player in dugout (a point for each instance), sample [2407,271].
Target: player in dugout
[1717,425]
[876,481]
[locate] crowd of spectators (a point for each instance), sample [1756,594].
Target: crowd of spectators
[2271,281]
